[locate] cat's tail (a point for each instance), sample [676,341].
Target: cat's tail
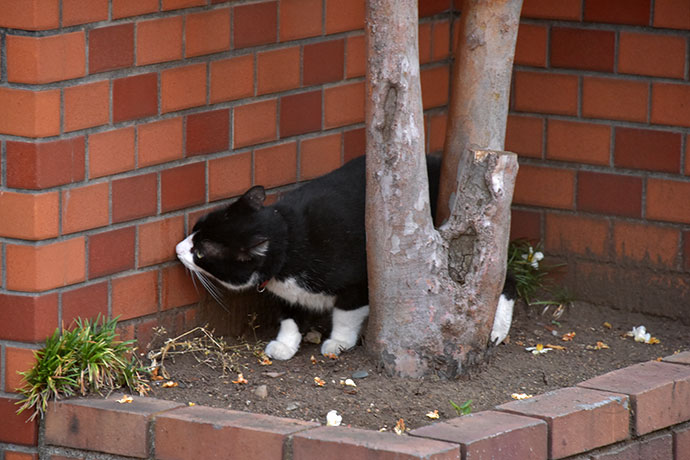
[504,310]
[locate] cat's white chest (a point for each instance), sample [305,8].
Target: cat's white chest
[290,290]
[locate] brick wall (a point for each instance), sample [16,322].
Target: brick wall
[600,118]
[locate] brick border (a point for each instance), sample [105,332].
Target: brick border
[597,419]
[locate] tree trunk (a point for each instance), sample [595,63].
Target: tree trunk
[433,293]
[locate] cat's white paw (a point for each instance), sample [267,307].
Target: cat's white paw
[502,320]
[335,347]
[279,350]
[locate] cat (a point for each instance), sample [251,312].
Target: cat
[307,249]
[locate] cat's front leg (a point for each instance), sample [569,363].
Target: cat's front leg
[286,343]
[345,332]
[502,320]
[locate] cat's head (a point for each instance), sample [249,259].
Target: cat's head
[231,244]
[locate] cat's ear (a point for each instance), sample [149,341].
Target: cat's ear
[254,197]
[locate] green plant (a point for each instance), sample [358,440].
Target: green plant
[86,358]
[463,409]
[524,262]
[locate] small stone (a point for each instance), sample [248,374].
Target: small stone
[292,406]
[360,374]
[313,337]
[261,391]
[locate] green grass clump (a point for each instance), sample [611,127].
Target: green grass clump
[88,358]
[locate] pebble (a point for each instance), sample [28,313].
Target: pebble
[360,374]
[292,406]
[261,391]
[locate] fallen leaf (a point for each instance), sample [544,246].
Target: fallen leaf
[568,337]
[399,427]
[348,382]
[169,384]
[331,356]
[240,380]
[601,345]
[520,396]
[191,404]
[319,382]
[313,360]
[126,399]
[556,347]
[265,361]
[607,325]
[653,340]
[538,349]
[433,415]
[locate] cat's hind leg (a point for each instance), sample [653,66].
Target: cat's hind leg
[286,343]
[345,332]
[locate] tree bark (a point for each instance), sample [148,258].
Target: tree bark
[433,293]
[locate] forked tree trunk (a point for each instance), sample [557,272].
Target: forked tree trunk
[433,293]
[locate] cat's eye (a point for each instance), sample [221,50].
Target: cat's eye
[199,254]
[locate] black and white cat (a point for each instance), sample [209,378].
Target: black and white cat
[307,249]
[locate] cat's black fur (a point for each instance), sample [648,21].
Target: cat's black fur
[308,248]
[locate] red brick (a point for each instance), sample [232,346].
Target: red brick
[135,295]
[278,70]
[579,419]
[547,93]
[524,135]
[111,252]
[354,144]
[183,186]
[436,132]
[255,123]
[570,10]
[656,448]
[135,97]
[177,288]
[344,15]
[673,14]
[681,443]
[232,78]
[651,244]
[668,200]
[578,142]
[635,12]
[111,48]
[275,166]
[319,156]
[435,83]
[86,105]
[686,249]
[183,87]
[208,132]
[344,105]
[31,113]
[177,4]
[647,149]
[49,266]
[159,40]
[85,302]
[85,207]
[659,393]
[300,113]
[678,358]
[46,59]
[492,434]
[134,197]
[229,176]
[568,234]
[652,54]
[16,429]
[127,8]
[324,62]
[103,425]
[199,432]
[255,24]
[615,99]
[77,12]
[355,57]
[207,32]
[157,240]
[525,224]
[542,186]
[45,164]
[440,36]
[300,19]
[111,152]
[530,48]
[671,104]
[424,40]
[9,455]
[17,360]
[28,318]
[609,194]
[326,442]
[159,142]
[33,217]
[30,15]
[582,49]
[432,7]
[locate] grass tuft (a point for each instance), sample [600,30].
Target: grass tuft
[88,358]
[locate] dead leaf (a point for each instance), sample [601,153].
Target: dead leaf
[520,396]
[126,399]
[433,415]
[399,427]
[653,340]
[607,325]
[265,361]
[568,337]
[191,404]
[601,345]
[556,347]
[240,380]
[331,356]
[313,360]
[319,382]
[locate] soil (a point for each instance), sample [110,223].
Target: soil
[378,401]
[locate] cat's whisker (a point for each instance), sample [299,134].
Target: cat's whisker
[212,289]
